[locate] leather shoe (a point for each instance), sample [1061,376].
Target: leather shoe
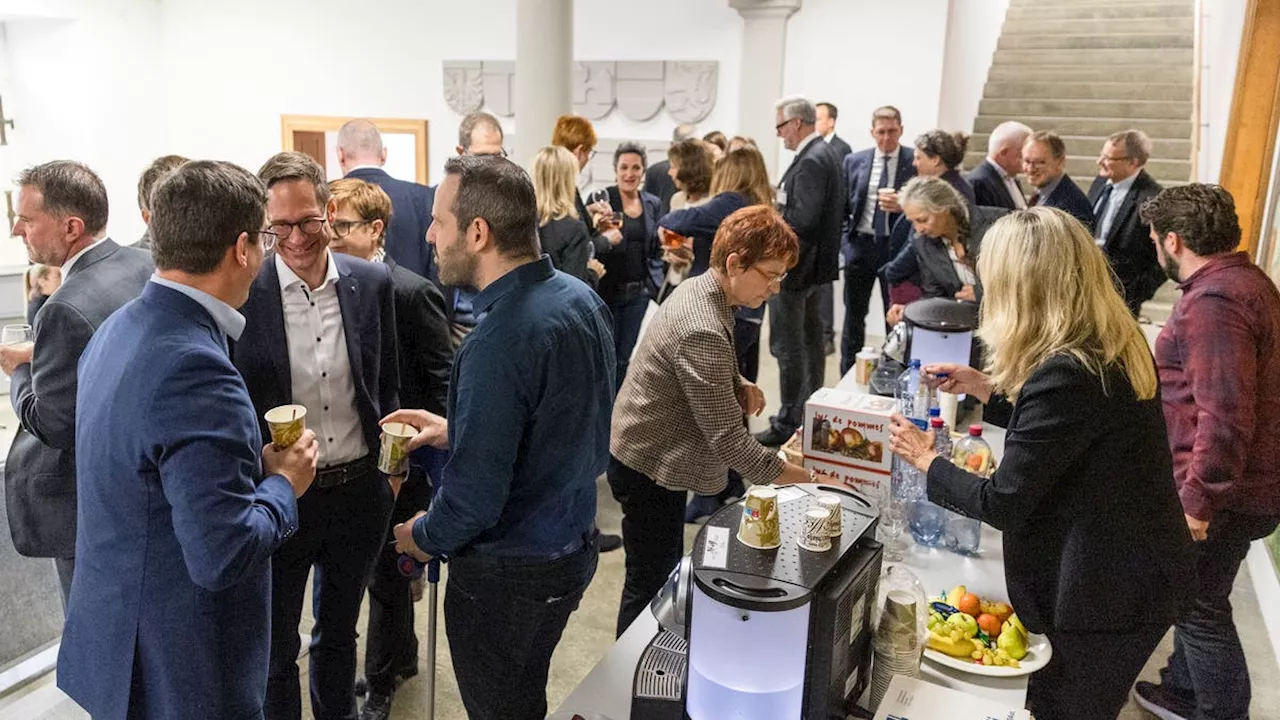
[773,437]
[610,542]
[377,707]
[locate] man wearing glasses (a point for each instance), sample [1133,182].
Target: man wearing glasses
[320,332]
[361,155]
[1044,162]
[1121,187]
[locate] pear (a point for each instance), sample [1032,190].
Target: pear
[957,592]
[1013,639]
[1018,624]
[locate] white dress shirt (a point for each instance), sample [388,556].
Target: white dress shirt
[873,185]
[1011,185]
[1107,215]
[319,367]
[71,261]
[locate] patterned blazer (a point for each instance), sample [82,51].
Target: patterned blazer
[677,418]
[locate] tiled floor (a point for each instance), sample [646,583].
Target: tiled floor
[590,634]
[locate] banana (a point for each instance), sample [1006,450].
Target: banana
[962,648]
[957,592]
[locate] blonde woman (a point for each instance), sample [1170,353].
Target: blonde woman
[1095,545]
[563,234]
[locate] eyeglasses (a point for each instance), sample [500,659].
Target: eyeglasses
[309,226]
[343,228]
[771,279]
[1113,159]
[780,125]
[266,238]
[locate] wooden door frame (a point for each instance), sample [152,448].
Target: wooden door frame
[327,123]
[1255,114]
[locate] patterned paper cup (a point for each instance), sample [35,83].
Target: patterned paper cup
[759,526]
[286,424]
[813,537]
[394,459]
[835,514]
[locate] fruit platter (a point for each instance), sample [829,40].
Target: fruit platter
[970,633]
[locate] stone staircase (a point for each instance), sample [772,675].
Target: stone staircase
[1088,68]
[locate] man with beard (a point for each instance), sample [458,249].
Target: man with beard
[529,406]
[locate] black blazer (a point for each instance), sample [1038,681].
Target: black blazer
[840,146]
[410,218]
[961,185]
[814,184]
[567,242]
[989,188]
[614,257]
[425,341]
[937,274]
[1094,536]
[857,176]
[367,302]
[1069,198]
[658,183]
[1128,243]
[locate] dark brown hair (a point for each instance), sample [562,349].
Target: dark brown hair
[1203,215]
[1050,139]
[949,147]
[69,189]
[693,164]
[293,165]
[156,170]
[717,138]
[199,210]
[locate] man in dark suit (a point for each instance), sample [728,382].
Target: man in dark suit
[359,216]
[994,180]
[362,155]
[146,182]
[657,179]
[180,504]
[321,332]
[62,219]
[872,211]
[1121,187]
[810,197]
[1044,160]
[826,127]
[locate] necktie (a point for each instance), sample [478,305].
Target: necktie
[880,220]
[1034,200]
[1100,209]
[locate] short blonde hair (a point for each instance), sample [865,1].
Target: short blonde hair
[1050,291]
[554,171]
[367,200]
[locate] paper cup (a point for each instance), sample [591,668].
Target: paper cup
[286,424]
[835,514]
[759,525]
[814,535]
[394,459]
[948,405]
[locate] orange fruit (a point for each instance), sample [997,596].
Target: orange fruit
[990,624]
[970,604]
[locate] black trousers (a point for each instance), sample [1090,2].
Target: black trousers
[795,339]
[504,618]
[340,531]
[652,535]
[827,311]
[859,283]
[1090,674]
[391,647]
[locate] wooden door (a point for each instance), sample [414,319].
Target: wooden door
[311,143]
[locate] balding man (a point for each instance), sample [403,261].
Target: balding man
[362,155]
[995,181]
[1120,189]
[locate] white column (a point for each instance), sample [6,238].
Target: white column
[544,69]
[764,44]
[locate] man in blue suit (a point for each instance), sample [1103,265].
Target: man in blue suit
[1044,160]
[361,154]
[321,332]
[888,165]
[178,512]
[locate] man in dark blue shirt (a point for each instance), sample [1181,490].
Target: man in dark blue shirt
[530,401]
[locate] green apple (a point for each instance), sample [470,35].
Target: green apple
[965,622]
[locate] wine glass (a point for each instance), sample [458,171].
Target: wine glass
[15,335]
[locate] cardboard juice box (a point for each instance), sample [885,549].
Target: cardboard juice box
[846,434]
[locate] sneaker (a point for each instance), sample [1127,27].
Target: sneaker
[1164,703]
[610,542]
[773,437]
[377,707]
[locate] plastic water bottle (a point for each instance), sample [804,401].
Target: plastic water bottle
[941,434]
[914,396]
[973,454]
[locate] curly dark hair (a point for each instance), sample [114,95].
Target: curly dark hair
[1203,215]
[949,147]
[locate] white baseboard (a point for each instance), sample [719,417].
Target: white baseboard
[1267,586]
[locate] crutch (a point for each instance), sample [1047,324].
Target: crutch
[411,568]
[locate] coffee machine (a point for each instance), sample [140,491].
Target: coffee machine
[782,634]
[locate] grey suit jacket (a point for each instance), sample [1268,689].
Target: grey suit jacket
[40,472]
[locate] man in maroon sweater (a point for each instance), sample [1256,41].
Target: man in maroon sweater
[1219,364]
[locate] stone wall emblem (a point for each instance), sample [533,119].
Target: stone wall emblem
[463,89]
[640,89]
[593,89]
[689,89]
[499,86]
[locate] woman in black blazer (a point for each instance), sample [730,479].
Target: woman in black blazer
[939,154]
[1095,544]
[561,230]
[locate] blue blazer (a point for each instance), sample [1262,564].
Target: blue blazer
[170,610]
[701,223]
[367,301]
[410,218]
[857,174]
[1069,198]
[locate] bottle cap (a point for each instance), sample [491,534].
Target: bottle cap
[975,430]
[914,363]
[935,412]
[936,422]
[866,349]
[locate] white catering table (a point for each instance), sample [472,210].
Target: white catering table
[607,688]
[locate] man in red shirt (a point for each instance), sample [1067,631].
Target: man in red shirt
[1219,364]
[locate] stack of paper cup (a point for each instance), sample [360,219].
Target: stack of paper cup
[897,646]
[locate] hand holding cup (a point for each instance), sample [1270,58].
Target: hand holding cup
[296,462]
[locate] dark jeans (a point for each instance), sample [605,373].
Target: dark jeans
[652,534]
[795,339]
[628,315]
[1090,674]
[746,344]
[340,531]
[504,618]
[391,648]
[858,285]
[1208,663]
[827,311]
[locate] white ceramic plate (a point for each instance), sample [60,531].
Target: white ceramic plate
[1038,654]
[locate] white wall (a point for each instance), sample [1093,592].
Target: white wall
[1222,22]
[973,30]
[861,55]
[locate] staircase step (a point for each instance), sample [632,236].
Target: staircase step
[1086,166]
[1182,57]
[1153,109]
[1080,11]
[1088,91]
[1118,40]
[1093,73]
[1098,26]
[1088,126]
[1083,145]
